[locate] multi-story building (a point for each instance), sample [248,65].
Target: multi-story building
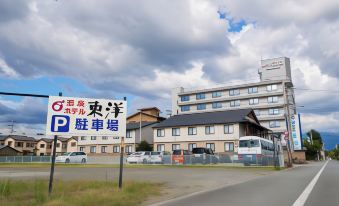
[218,130]
[44,146]
[23,144]
[138,128]
[272,98]
[111,145]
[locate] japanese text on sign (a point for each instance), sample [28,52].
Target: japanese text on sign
[81,116]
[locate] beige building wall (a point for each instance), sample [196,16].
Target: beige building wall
[26,145]
[45,150]
[144,118]
[201,139]
[72,145]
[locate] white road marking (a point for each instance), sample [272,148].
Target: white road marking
[304,195]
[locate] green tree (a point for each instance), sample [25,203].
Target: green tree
[314,146]
[144,146]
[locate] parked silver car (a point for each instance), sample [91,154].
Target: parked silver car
[72,157]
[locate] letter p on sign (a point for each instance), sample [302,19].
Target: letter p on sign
[60,123]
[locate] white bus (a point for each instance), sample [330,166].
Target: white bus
[255,150]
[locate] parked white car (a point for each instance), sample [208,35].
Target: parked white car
[72,157]
[157,157]
[139,157]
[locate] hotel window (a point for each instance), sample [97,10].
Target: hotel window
[274,124]
[252,90]
[160,132]
[93,138]
[274,99]
[257,112]
[210,146]
[273,111]
[216,94]
[116,149]
[228,129]
[81,149]
[201,106]
[104,138]
[185,98]
[200,96]
[93,149]
[103,149]
[160,147]
[129,134]
[229,146]
[209,130]
[235,103]
[234,92]
[272,87]
[216,105]
[254,101]
[192,131]
[83,138]
[185,108]
[191,146]
[175,146]
[128,149]
[175,131]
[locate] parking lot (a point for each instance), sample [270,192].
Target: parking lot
[176,181]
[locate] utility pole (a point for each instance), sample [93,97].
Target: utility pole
[318,158]
[288,126]
[12,126]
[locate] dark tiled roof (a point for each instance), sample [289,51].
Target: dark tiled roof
[3,137]
[22,138]
[221,117]
[136,125]
[3,146]
[49,140]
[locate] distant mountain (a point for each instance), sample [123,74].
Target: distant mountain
[329,138]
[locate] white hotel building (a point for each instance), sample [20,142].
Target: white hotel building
[271,97]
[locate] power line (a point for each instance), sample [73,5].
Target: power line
[317,90]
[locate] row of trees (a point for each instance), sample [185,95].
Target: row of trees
[334,154]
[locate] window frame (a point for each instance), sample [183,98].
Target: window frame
[208,129]
[228,130]
[227,149]
[162,132]
[199,96]
[233,93]
[185,98]
[193,129]
[188,108]
[272,98]
[176,147]
[252,102]
[234,103]
[175,129]
[251,90]
[209,147]
[216,94]
[194,145]
[216,103]
[201,108]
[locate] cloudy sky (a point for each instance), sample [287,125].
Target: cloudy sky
[142,49]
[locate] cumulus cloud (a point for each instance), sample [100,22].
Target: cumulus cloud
[145,48]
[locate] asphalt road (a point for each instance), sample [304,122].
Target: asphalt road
[278,189]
